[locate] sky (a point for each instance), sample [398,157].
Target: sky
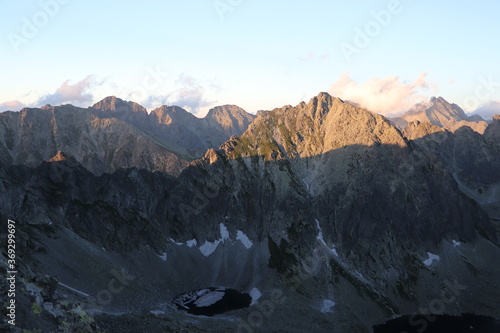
[383,55]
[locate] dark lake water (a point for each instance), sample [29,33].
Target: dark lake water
[211,301]
[465,323]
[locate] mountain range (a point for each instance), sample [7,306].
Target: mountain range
[115,134]
[351,218]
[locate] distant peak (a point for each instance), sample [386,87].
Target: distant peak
[439,99]
[228,109]
[115,104]
[167,114]
[173,109]
[444,114]
[324,95]
[110,100]
[225,108]
[428,105]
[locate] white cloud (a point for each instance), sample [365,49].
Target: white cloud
[388,96]
[11,106]
[488,110]
[188,93]
[153,101]
[77,94]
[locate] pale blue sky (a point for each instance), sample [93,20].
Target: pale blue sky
[257,54]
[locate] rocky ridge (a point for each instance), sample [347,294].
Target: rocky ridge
[115,134]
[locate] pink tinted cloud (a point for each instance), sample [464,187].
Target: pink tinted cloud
[388,96]
[11,106]
[68,93]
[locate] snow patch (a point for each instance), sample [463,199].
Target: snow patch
[327,306]
[209,247]
[73,289]
[322,240]
[431,258]
[244,239]
[157,312]
[176,243]
[255,294]
[163,256]
[307,185]
[224,233]
[320,234]
[455,243]
[209,298]
[191,243]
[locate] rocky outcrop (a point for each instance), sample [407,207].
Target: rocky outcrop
[60,156]
[492,132]
[417,130]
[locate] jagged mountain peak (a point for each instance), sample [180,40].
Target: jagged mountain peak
[168,114]
[324,124]
[173,110]
[440,105]
[438,99]
[439,112]
[232,118]
[115,104]
[321,103]
[225,109]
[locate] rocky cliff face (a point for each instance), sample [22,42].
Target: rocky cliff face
[472,159]
[102,145]
[440,113]
[115,134]
[492,132]
[192,136]
[233,119]
[349,220]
